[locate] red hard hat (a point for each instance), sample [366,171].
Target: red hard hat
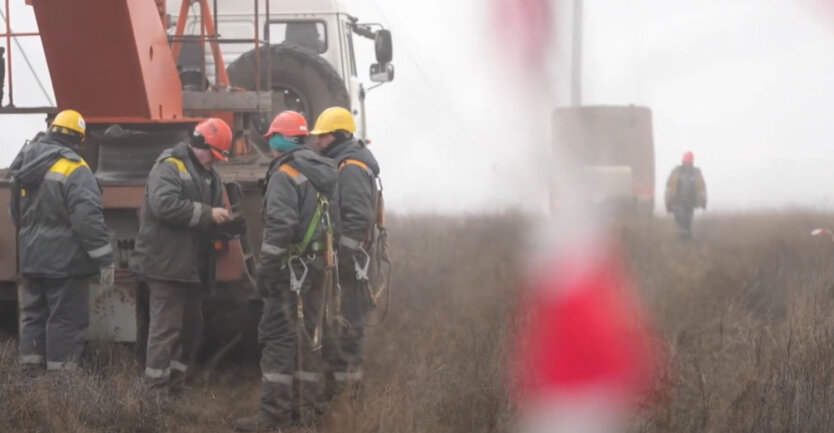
[216,135]
[288,124]
[688,158]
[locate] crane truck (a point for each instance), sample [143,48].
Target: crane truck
[143,73]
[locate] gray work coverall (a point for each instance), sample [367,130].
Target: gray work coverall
[685,191]
[172,256]
[357,202]
[62,242]
[294,182]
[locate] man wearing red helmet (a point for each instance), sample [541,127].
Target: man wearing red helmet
[296,255]
[685,191]
[183,201]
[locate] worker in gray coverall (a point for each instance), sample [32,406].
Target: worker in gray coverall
[358,206]
[62,242]
[294,255]
[183,206]
[685,192]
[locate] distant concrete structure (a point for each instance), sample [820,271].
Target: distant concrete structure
[614,146]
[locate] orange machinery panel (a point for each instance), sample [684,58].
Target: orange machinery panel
[110,59]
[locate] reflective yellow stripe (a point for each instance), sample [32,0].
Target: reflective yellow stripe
[354,162]
[180,165]
[23,192]
[66,167]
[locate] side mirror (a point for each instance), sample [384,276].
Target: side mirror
[382,73]
[384,46]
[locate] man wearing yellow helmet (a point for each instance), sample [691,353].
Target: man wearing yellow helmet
[358,204]
[62,241]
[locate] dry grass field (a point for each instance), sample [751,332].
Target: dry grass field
[745,311]
[746,314]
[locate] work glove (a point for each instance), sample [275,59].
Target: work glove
[231,230]
[107,279]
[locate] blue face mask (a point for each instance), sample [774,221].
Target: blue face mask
[281,144]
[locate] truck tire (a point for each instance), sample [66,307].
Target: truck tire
[301,81]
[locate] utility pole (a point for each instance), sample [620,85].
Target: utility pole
[576,55]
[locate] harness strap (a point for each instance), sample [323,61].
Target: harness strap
[322,204]
[314,224]
[300,248]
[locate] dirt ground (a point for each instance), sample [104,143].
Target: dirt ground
[744,311]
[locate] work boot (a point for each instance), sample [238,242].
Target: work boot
[275,411]
[33,371]
[347,384]
[260,422]
[176,384]
[156,384]
[311,397]
[310,413]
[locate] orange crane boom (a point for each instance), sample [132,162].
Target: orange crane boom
[110,59]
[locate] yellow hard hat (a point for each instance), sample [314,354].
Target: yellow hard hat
[334,119]
[69,122]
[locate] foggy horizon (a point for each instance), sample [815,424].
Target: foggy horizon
[744,85]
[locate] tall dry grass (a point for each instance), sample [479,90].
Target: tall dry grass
[435,364]
[745,312]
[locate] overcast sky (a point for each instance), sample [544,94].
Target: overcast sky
[746,84]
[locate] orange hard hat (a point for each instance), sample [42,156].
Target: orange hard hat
[688,158]
[216,136]
[289,124]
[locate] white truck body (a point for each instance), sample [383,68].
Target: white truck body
[235,20]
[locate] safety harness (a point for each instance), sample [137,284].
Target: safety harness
[321,213]
[296,262]
[374,248]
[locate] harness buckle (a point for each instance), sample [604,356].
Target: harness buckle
[295,282]
[362,271]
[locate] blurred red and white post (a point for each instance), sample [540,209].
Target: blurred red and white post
[583,352]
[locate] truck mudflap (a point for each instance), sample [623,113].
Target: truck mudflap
[113,313]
